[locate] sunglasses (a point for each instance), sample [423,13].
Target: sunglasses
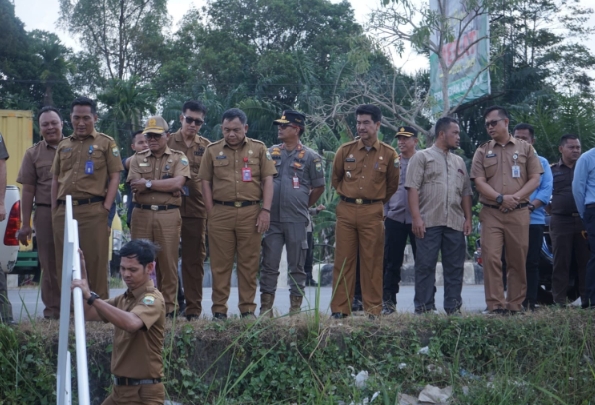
[493,123]
[197,121]
[153,136]
[283,126]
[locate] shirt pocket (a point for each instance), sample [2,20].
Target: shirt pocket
[349,167]
[98,158]
[490,166]
[43,172]
[66,161]
[380,172]
[221,167]
[254,165]
[146,172]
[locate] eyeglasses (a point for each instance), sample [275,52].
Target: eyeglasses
[493,123]
[197,121]
[283,126]
[153,136]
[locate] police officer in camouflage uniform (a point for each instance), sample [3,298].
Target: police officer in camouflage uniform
[297,186]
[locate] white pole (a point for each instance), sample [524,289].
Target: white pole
[79,328]
[68,391]
[63,362]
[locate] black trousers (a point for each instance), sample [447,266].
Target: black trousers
[589,221]
[532,265]
[395,240]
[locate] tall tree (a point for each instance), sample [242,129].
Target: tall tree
[125,34]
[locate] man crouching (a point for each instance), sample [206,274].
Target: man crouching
[139,317]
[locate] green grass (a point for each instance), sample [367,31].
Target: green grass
[543,358]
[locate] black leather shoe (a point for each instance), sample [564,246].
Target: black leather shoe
[357,305]
[218,316]
[311,283]
[338,315]
[248,314]
[388,308]
[192,317]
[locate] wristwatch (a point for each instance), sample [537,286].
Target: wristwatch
[92,298]
[500,199]
[148,184]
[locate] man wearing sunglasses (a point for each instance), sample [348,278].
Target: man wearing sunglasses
[156,178]
[297,186]
[192,210]
[506,171]
[237,176]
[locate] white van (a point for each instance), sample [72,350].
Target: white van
[9,243]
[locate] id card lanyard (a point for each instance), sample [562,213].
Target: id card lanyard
[516,170]
[246,172]
[89,167]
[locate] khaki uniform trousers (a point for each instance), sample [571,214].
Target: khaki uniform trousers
[145,394]
[193,259]
[233,231]
[510,230]
[46,249]
[93,241]
[568,241]
[163,229]
[360,228]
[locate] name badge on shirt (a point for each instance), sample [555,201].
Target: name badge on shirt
[89,167]
[516,172]
[350,160]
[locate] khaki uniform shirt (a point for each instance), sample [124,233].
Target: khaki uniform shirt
[371,175]
[139,355]
[145,165]
[494,162]
[397,208]
[72,156]
[222,166]
[193,205]
[290,204]
[35,171]
[562,197]
[442,181]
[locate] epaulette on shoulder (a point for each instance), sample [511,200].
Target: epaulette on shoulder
[553,164]
[143,152]
[106,136]
[355,140]
[257,141]
[484,143]
[215,143]
[179,152]
[386,144]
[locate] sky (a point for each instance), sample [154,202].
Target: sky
[44,14]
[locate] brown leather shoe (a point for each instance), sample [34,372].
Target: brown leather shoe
[296,304]
[266,304]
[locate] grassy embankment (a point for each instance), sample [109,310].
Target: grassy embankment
[542,358]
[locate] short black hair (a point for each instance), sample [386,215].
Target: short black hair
[48,108]
[234,113]
[143,250]
[134,134]
[369,109]
[195,106]
[502,112]
[566,137]
[84,101]
[443,123]
[528,127]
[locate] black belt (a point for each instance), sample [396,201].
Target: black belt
[83,202]
[43,205]
[134,381]
[156,207]
[573,214]
[523,205]
[237,204]
[358,201]
[590,205]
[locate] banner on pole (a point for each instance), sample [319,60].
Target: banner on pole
[469,78]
